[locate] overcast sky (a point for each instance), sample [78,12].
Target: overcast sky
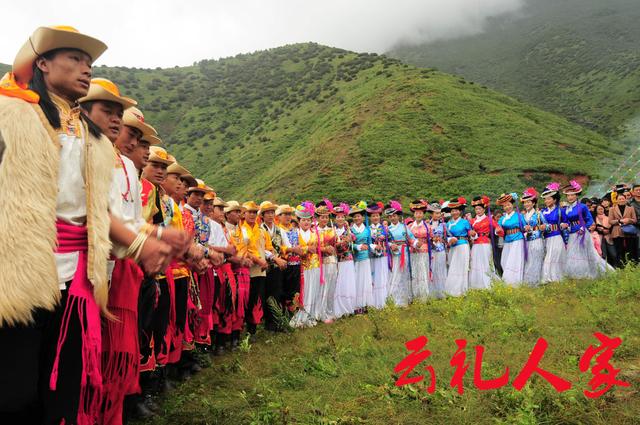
[150,33]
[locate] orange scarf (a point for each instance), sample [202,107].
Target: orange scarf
[11,88]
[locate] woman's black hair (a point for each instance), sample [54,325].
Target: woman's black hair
[49,108]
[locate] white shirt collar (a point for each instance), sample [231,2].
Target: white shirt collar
[359,228]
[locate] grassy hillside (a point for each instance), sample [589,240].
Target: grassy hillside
[578,58]
[305,121]
[343,373]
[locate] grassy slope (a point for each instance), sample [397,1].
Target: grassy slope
[305,121]
[578,58]
[343,373]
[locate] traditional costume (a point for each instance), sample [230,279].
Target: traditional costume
[438,252]
[54,276]
[345,295]
[400,239]
[329,265]
[514,252]
[310,287]
[553,266]
[361,243]
[457,282]
[380,259]
[535,243]
[482,266]
[582,259]
[238,309]
[292,274]
[420,257]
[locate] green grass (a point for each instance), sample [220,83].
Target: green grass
[343,373]
[578,58]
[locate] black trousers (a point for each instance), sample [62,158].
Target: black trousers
[20,370]
[257,292]
[291,282]
[182,295]
[275,278]
[626,250]
[146,309]
[161,318]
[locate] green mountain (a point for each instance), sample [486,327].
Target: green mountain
[305,121]
[578,58]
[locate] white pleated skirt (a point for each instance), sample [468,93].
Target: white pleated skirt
[400,283]
[308,315]
[438,273]
[457,281]
[533,266]
[481,267]
[364,284]
[583,260]
[555,259]
[380,267]
[513,262]
[345,294]
[328,290]
[419,275]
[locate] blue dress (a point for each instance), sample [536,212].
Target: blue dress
[361,238]
[459,229]
[513,252]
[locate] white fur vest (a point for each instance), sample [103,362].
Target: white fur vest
[28,192]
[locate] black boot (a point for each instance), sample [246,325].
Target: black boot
[235,340]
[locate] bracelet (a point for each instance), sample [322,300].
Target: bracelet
[134,250]
[159,232]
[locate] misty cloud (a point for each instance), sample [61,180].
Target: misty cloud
[147,33]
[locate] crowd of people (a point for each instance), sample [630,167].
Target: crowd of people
[117,264]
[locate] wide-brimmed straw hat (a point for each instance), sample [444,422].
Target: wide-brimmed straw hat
[284,209]
[219,202]
[151,139]
[106,90]
[158,154]
[133,117]
[200,186]
[267,206]
[175,168]
[251,206]
[45,39]
[232,206]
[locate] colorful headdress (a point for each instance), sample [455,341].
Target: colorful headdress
[358,208]
[434,207]
[507,198]
[483,201]
[418,204]
[456,204]
[573,188]
[343,208]
[375,208]
[394,207]
[529,194]
[551,190]
[324,207]
[305,210]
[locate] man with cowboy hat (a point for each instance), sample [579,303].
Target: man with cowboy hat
[277,264]
[41,123]
[260,251]
[240,264]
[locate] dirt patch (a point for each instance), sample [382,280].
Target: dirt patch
[437,129]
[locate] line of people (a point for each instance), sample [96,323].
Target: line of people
[117,264]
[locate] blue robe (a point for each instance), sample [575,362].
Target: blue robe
[460,230]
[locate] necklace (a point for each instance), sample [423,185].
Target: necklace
[125,196]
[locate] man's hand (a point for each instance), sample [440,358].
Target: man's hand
[296,250]
[216,258]
[155,256]
[179,240]
[195,253]
[453,241]
[281,263]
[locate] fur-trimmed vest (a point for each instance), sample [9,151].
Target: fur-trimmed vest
[28,194]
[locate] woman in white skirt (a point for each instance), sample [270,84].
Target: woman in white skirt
[378,254]
[345,295]
[458,229]
[583,260]
[514,250]
[483,230]
[535,243]
[438,250]
[329,261]
[420,261]
[400,238]
[555,258]
[310,291]
[361,246]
